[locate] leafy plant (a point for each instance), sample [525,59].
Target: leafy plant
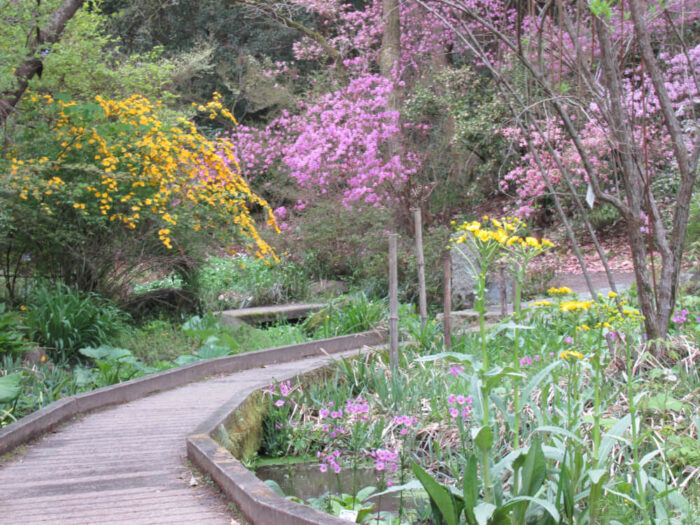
[9,387]
[346,315]
[11,332]
[242,281]
[114,365]
[64,320]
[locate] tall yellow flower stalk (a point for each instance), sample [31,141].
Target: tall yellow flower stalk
[489,241]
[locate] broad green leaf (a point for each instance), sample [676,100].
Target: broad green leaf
[567,491]
[365,493]
[483,437]
[546,505]
[483,513]
[648,457]
[561,432]
[186,360]
[537,379]
[413,485]
[503,409]
[494,376]
[662,403]
[106,353]
[440,495]
[671,493]
[275,487]
[610,438]
[211,349]
[470,489]
[534,469]
[10,388]
[596,475]
[364,512]
[83,376]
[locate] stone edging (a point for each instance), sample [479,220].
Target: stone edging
[44,420]
[253,498]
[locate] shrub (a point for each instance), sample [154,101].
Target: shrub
[238,282]
[347,315]
[65,320]
[110,189]
[354,248]
[11,332]
[604,217]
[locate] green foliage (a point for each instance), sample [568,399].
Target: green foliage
[156,340]
[11,332]
[198,39]
[537,281]
[562,470]
[465,112]
[604,217]
[65,320]
[358,504]
[40,385]
[346,315]
[114,365]
[87,61]
[18,20]
[84,62]
[353,248]
[9,387]
[240,282]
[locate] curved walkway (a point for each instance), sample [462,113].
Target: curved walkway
[127,464]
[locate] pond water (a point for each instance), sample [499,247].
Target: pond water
[305,480]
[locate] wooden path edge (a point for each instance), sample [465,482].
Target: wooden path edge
[253,498]
[42,421]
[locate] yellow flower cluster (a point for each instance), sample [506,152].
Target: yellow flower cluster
[569,306]
[501,231]
[138,166]
[566,354]
[564,290]
[543,302]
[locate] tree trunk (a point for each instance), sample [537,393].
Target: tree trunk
[50,34]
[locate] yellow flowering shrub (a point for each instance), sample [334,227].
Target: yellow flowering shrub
[121,161]
[104,172]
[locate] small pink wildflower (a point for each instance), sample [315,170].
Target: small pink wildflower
[456,370]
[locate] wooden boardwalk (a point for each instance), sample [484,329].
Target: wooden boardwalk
[127,464]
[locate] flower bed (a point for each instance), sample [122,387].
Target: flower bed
[549,416]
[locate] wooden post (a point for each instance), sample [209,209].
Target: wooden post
[504,291]
[393,304]
[422,301]
[447,300]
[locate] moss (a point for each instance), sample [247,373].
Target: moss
[242,435]
[243,430]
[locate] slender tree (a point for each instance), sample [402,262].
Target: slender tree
[562,43]
[38,44]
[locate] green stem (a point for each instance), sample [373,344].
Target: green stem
[516,359]
[481,308]
[596,406]
[641,490]
[516,381]
[595,489]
